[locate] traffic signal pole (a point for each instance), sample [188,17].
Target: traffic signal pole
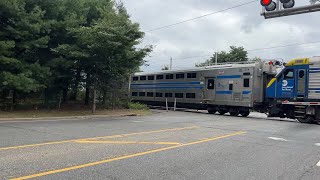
[291,11]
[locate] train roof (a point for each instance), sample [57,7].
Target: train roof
[224,66]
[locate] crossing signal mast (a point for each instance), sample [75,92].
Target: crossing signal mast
[280,8]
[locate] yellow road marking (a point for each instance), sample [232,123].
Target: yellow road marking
[102,137]
[127,142]
[124,157]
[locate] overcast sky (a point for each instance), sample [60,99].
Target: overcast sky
[237,27]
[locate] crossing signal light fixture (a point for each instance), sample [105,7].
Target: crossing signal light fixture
[270,5]
[287,3]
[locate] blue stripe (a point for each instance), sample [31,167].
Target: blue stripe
[229,77]
[223,92]
[246,92]
[170,87]
[314,89]
[166,83]
[314,68]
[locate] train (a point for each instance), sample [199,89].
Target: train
[286,91]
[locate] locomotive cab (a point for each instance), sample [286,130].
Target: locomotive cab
[291,82]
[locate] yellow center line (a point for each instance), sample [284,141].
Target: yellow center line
[125,157]
[95,138]
[127,142]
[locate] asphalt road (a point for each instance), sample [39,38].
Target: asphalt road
[165,145]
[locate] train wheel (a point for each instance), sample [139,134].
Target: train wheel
[221,112]
[210,111]
[245,113]
[308,119]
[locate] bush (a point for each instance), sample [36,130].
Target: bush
[137,106]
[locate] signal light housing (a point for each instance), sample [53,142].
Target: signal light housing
[288,3]
[269,5]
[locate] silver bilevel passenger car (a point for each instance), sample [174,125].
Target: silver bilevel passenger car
[234,88]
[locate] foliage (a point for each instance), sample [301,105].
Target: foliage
[236,54]
[138,106]
[58,48]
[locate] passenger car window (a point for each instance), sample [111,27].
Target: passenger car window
[143,78]
[301,74]
[151,78]
[192,75]
[210,84]
[135,78]
[159,77]
[169,76]
[288,74]
[179,76]
[246,82]
[230,87]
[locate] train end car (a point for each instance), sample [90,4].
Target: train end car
[295,92]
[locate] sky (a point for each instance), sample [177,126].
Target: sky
[195,41]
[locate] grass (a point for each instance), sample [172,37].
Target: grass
[66,113]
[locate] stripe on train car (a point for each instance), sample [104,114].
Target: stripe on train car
[229,77]
[170,87]
[166,83]
[230,92]
[314,89]
[246,92]
[223,92]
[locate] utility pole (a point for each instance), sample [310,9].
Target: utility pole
[216,56]
[170,63]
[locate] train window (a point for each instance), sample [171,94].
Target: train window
[169,76]
[142,94]
[246,82]
[247,74]
[136,78]
[210,84]
[134,94]
[180,76]
[192,75]
[178,95]
[150,94]
[159,95]
[288,74]
[143,78]
[191,95]
[159,77]
[230,87]
[168,94]
[151,78]
[301,74]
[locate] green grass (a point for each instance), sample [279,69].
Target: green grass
[66,113]
[138,106]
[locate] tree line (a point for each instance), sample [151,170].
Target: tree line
[60,50]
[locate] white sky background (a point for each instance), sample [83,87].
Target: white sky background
[237,27]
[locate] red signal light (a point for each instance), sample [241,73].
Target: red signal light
[265,2]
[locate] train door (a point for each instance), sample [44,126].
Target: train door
[286,83]
[210,92]
[301,77]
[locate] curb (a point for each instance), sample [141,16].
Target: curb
[67,117]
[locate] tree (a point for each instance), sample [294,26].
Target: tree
[23,35]
[236,54]
[64,46]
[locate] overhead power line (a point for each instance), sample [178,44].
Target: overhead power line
[258,49]
[202,16]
